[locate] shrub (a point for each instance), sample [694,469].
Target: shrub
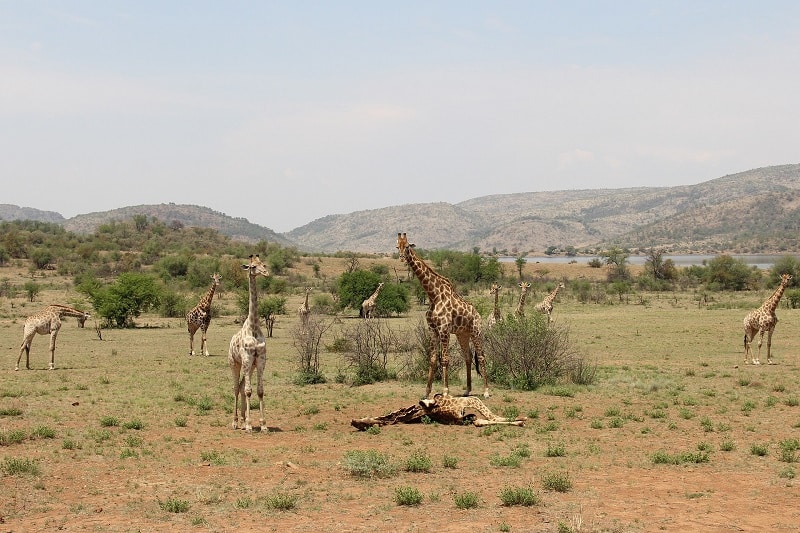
[407,496]
[556,481]
[419,462]
[282,501]
[109,421]
[368,464]
[449,461]
[527,352]
[371,342]
[524,496]
[17,467]
[466,500]
[173,505]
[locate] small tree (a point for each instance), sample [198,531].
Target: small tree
[307,342]
[371,342]
[524,352]
[268,308]
[31,289]
[125,299]
[617,261]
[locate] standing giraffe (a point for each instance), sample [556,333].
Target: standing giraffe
[546,305]
[368,306]
[763,320]
[248,350]
[447,313]
[520,310]
[495,317]
[47,321]
[200,317]
[304,310]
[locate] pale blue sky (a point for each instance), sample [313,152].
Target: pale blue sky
[284,112]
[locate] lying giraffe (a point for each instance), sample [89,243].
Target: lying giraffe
[442,408]
[47,321]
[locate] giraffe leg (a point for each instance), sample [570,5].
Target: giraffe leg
[53,349]
[260,364]
[204,343]
[26,347]
[463,341]
[445,342]
[248,392]
[480,363]
[432,358]
[757,360]
[769,346]
[235,370]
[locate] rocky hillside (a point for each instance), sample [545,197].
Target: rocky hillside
[757,211]
[188,215]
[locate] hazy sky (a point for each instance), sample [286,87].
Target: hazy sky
[284,112]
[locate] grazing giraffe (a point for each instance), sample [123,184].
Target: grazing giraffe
[448,313]
[200,317]
[442,409]
[763,320]
[495,317]
[47,321]
[304,310]
[520,310]
[546,305]
[248,351]
[368,306]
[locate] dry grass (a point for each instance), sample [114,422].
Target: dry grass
[670,383]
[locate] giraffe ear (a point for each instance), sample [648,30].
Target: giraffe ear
[245,267]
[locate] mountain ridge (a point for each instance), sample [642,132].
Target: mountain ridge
[754,211]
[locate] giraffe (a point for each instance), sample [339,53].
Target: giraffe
[368,306]
[763,320]
[546,305]
[200,317]
[304,310]
[448,313]
[495,317]
[47,321]
[520,310]
[248,351]
[443,409]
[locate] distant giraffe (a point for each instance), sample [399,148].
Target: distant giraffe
[546,305]
[200,317]
[763,320]
[520,310]
[495,317]
[448,313]
[248,351]
[304,310]
[368,306]
[47,321]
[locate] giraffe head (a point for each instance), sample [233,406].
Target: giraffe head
[215,278]
[524,286]
[83,318]
[255,267]
[785,279]
[403,246]
[495,288]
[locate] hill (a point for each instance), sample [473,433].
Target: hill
[188,215]
[757,211]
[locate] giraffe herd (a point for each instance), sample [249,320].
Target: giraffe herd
[448,313]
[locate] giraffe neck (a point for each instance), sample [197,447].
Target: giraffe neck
[772,303]
[252,308]
[426,275]
[496,311]
[305,304]
[63,310]
[552,296]
[205,302]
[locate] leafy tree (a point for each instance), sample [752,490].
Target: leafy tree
[520,263]
[125,299]
[785,265]
[617,260]
[41,257]
[268,308]
[393,298]
[356,286]
[729,274]
[31,289]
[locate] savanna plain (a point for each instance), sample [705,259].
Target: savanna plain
[130,433]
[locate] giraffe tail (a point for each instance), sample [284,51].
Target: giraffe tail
[475,358]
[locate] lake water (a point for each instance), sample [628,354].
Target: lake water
[763,262]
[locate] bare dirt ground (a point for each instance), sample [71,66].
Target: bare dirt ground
[670,380]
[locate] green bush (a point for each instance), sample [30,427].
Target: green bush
[466,500]
[524,496]
[368,464]
[407,496]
